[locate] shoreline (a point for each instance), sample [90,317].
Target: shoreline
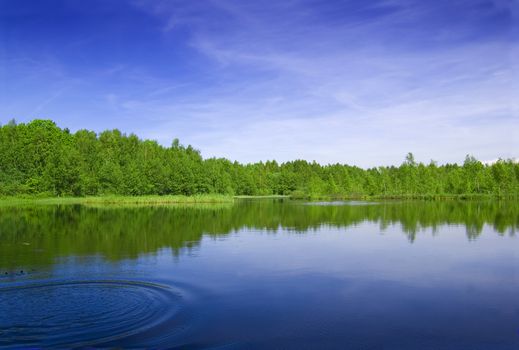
[119,200]
[208,199]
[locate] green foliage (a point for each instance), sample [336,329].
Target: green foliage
[39,158]
[117,201]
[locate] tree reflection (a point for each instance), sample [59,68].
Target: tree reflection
[35,236]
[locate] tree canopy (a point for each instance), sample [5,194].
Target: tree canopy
[40,158]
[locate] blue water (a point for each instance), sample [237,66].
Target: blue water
[208,278]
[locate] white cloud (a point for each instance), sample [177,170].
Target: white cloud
[339,93]
[288,80]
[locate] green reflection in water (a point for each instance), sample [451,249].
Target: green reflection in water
[36,236]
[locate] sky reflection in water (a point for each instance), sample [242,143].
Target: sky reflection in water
[262,274]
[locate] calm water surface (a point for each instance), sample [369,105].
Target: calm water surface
[262,274]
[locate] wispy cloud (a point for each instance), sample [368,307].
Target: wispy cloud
[299,85]
[335,81]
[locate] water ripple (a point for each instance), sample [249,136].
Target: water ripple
[86,313]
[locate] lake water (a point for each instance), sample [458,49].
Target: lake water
[262,274]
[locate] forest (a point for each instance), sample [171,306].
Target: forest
[40,158]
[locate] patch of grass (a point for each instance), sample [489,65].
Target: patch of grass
[462,196]
[433,197]
[119,200]
[262,197]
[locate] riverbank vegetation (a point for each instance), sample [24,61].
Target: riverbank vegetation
[116,200]
[40,159]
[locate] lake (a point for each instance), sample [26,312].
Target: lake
[262,274]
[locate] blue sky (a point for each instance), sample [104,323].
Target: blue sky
[358,82]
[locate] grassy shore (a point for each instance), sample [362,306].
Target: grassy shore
[274,196]
[212,199]
[404,197]
[120,200]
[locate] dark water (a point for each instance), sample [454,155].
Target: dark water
[262,274]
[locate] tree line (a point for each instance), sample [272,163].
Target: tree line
[39,158]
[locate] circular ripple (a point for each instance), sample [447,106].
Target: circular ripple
[83,313]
